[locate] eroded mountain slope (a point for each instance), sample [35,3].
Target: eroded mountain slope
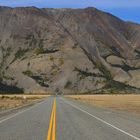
[68,51]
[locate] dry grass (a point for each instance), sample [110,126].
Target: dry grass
[130,103]
[12,101]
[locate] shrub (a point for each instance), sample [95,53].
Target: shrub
[39,50]
[51,58]
[20,53]
[28,73]
[61,61]
[68,84]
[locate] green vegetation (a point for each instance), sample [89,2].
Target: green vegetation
[7,77]
[41,82]
[28,73]
[20,53]
[30,40]
[54,72]
[8,51]
[83,74]
[104,71]
[5,53]
[39,50]
[125,67]
[55,69]
[75,46]
[99,81]
[68,84]
[61,61]
[1,78]
[138,54]
[51,58]
[37,78]
[29,36]
[40,44]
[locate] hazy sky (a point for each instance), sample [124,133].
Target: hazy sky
[125,9]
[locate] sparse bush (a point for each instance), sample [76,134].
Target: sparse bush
[68,84]
[20,53]
[28,73]
[74,46]
[104,70]
[3,97]
[54,72]
[39,50]
[61,61]
[51,58]
[41,82]
[0,78]
[7,77]
[82,77]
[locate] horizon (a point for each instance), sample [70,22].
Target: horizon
[124,9]
[103,10]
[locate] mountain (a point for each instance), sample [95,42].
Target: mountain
[68,51]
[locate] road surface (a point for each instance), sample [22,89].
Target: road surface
[65,119]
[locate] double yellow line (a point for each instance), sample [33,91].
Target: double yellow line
[52,126]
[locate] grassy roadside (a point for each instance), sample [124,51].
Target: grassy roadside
[13,101]
[129,103]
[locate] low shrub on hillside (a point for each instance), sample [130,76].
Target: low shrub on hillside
[28,73]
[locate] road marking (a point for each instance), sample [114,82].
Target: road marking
[52,126]
[12,116]
[54,123]
[101,120]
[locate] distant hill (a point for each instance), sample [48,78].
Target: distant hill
[68,51]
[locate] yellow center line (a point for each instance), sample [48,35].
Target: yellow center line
[52,126]
[54,122]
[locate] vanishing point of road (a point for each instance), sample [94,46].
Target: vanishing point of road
[59,118]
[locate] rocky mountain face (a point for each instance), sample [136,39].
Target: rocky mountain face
[68,51]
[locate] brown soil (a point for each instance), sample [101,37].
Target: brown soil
[130,103]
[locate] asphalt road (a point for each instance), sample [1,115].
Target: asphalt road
[66,119]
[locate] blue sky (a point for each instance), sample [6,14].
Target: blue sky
[126,9]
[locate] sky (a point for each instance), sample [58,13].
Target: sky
[128,10]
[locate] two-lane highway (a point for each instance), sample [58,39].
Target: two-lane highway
[31,124]
[65,119]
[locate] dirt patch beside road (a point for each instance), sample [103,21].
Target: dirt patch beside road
[13,101]
[129,103]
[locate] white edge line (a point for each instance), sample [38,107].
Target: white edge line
[12,116]
[101,120]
